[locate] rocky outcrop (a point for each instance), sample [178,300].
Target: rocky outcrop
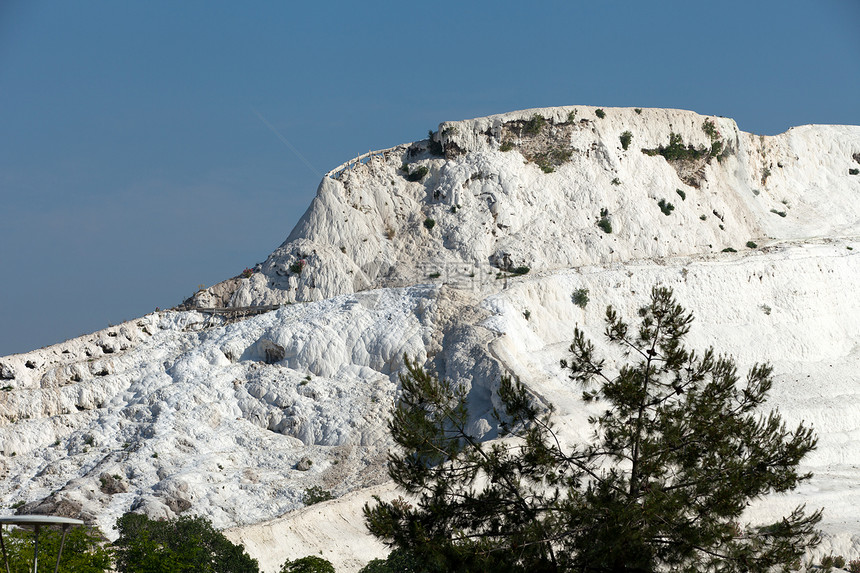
[533,192]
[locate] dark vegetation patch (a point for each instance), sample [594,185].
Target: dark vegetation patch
[604,223]
[665,207]
[689,161]
[541,141]
[417,175]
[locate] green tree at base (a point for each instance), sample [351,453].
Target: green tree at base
[309,564]
[84,551]
[679,451]
[178,545]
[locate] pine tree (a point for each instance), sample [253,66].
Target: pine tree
[680,450]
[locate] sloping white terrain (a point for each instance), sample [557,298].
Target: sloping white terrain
[234,418]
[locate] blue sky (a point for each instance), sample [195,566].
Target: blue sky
[133,166]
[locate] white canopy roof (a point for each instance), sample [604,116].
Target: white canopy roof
[39,520]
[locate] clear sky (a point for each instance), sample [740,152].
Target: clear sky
[136,162]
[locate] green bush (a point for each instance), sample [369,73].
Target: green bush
[780,213]
[418,174]
[316,494]
[605,225]
[401,561]
[638,110]
[580,297]
[309,564]
[710,129]
[600,113]
[681,194]
[676,150]
[854,171]
[298,266]
[434,147]
[506,145]
[544,165]
[429,223]
[523,270]
[183,545]
[534,125]
[665,207]
[571,117]
[84,550]
[751,245]
[553,158]
[729,250]
[558,155]
[626,138]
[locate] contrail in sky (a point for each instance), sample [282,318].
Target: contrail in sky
[287,143]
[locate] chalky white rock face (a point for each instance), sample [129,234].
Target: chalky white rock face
[235,418]
[366,228]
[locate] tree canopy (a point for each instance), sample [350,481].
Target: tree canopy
[308,564]
[177,545]
[84,550]
[680,448]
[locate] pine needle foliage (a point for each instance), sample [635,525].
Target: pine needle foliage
[478,502]
[679,451]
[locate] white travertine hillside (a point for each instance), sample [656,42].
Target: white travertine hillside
[365,227]
[234,417]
